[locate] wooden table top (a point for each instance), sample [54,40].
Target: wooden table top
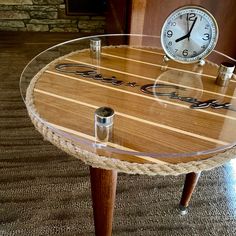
[144,121]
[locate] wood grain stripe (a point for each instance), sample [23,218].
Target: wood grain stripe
[148,51]
[114,145]
[151,79]
[157,65]
[141,95]
[233,80]
[138,119]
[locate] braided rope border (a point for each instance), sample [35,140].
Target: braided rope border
[103,162]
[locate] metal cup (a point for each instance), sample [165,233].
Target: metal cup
[225,73]
[103,125]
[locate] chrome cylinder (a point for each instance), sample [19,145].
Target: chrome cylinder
[95,48]
[225,73]
[103,125]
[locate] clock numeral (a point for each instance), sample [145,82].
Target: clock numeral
[194,53]
[185,52]
[169,33]
[170,43]
[207,37]
[191,16]
[207,27]
[203,46]
[173,23]
[176,50]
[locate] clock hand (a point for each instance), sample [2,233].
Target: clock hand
[192,27]
[187,24]
[181,38]
[188,34]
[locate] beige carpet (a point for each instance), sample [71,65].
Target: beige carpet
[43,191]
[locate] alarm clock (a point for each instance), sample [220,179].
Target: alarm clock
[189,34]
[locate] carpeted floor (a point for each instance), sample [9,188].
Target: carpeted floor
[43,191]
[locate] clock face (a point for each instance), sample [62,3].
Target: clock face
[189,34]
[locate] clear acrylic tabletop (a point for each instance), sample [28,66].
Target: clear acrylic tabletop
[157,103]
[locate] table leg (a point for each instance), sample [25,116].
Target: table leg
[191,180]
[103,189]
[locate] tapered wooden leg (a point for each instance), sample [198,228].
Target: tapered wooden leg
[103,188]
[191,180]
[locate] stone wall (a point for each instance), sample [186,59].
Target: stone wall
[45,15]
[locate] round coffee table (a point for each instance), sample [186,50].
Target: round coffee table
[114,103]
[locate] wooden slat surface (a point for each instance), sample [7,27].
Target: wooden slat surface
[143,123]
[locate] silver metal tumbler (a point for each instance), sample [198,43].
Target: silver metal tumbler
[225,73]
[103,125]
[95,48]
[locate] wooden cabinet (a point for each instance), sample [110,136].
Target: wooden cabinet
[118,16]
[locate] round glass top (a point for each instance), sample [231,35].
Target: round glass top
[116,95]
